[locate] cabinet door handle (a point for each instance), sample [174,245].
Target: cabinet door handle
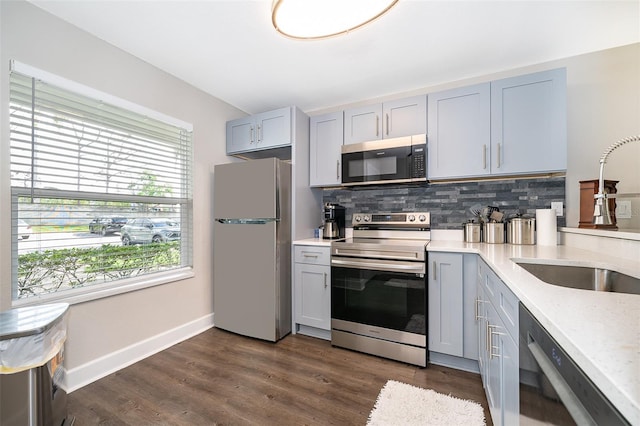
[498,155]
[259,133]
[250,134]
[325,280]
[387,124]
[492,333]
[477,309]
[377,125]
[487,337]
[310,255]
[338,169]
[484,157]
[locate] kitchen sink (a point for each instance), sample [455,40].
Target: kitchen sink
[585,278]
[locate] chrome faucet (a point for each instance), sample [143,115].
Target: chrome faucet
[601,213]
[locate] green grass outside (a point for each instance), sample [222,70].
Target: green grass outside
[42,229]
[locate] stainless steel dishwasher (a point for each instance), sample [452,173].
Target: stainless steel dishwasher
[553,389]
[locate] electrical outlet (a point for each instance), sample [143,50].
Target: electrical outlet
[623,209]
[557,205]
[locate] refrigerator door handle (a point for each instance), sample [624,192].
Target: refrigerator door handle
[249,221]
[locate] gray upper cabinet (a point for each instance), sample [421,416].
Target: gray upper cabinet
[269,129]
[240,134]
[326,136]
[507,127]
[529,123]
[402,117]
[459,135]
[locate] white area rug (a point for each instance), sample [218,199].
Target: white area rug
[403,404]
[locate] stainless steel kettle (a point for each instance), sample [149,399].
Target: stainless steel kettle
[331,229]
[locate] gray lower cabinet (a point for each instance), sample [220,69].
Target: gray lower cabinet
[498,357]
[312,290]
[452,330]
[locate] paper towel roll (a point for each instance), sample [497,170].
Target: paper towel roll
[547,227]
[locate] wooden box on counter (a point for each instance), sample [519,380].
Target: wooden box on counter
[589,188]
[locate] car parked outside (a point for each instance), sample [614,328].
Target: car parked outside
[24,230]
[107,224]
[146,230]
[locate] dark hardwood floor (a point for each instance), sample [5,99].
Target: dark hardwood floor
[218,377]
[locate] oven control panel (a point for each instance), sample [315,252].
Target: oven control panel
[401,220]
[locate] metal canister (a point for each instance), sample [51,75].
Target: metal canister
[472,232]
[521,230]
[494,232]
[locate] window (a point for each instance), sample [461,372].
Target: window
[104,187]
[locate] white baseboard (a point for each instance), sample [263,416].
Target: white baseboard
[80,376]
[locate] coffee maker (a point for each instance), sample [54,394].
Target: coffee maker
[333,221]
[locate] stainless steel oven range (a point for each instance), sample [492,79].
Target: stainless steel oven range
[378,286]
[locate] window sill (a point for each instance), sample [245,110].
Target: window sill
[99,291]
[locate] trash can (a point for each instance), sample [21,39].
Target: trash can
[31,354]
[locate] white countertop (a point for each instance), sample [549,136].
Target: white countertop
[623,234]
[600,331]
[313,242]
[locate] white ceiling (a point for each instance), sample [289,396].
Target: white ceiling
[229,49]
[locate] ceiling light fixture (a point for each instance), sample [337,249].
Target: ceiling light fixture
[317,19]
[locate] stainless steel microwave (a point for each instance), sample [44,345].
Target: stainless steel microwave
[397,160]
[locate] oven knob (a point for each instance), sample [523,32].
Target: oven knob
[367,219]
[358,218]
[412,218]
[422,218]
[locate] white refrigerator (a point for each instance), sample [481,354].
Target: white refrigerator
[252,248]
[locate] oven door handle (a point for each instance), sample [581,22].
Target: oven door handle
[407,267]
[568,398]
[380,254]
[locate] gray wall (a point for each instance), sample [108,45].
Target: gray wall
[102,327]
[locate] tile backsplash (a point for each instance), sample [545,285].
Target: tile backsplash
[449,203]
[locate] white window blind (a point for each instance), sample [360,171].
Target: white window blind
[82,167]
